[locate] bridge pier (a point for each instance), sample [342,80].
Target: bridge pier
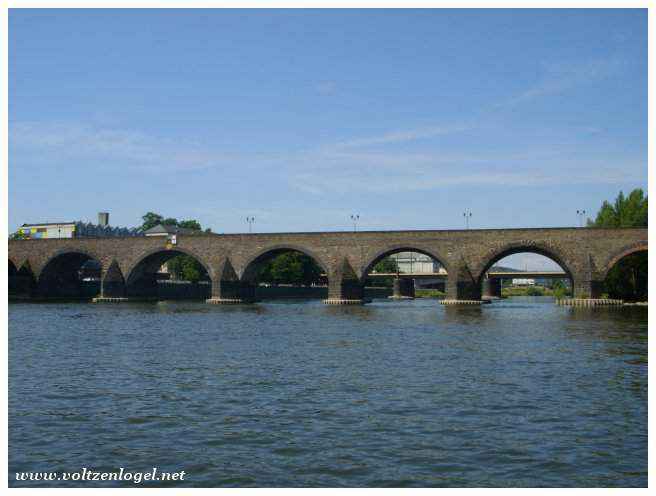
[403,288]
[21,286]
[232,292]
[112,286]
[587,293]
[491,288]
[344,286]
[345,292]
[462,288]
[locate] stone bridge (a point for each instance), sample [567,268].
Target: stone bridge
[128,265]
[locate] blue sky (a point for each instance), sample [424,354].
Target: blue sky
[301,118]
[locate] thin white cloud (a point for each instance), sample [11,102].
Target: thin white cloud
[327,170]
[64,140]
[403,136]
[423,178]
[560,77]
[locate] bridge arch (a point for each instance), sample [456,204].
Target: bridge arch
[623,274]
[12,269]
[551,252]
[12,278]
[24,281]
[250,267]
[391,250]
[618,255]
[313,275]
[141,280]
[401,287]
[70,273]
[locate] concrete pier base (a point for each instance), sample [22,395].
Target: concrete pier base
[463,302]
[338,301]
[589,302]
[228,301]
[110,299]
[403,289]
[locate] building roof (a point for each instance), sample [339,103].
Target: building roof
[170,229]
[50,224]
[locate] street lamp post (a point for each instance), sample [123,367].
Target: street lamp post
[355,218]
[467,215]
[581,215]
[250,221]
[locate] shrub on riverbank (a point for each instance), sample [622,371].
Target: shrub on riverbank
[429,293]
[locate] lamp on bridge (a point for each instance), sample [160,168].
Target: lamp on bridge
[581,215]
[467,215]
[355,218]
[250,221]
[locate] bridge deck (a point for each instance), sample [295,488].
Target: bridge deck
[498,275]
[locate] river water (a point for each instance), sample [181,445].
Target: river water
[517,393]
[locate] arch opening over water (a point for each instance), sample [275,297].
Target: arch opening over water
[626,276]
[522,271]
[286,272]
[71,274]
[169,275]
[12,276]
[416,272]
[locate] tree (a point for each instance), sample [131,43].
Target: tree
[628,211]
[559,289]
[190,224]
[17,235]
[387,265]
[151,219]
[290,268]
[628,278]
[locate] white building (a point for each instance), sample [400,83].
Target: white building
[48,230]
[410,262]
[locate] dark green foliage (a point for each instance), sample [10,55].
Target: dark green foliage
[17,235]
[190,224]
[151,219]
[627,280]
[386,266]
[186,268]
[290,267]
[534,291]
[559,289]
[628,211]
